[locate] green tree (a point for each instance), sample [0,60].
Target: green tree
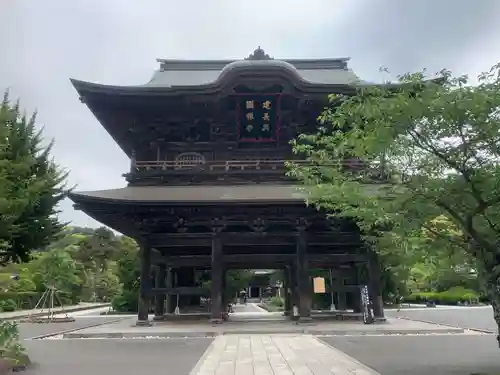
[128,273]
[98,249]
[31,186]
[432,146]
[57,269]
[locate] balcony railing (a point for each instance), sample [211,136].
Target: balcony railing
[209,166]
[264,169]
[237,165]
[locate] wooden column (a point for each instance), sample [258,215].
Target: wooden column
[341,294]
[171,298]
[225,296]
[356,295]
[304,284]
[287,292]
[132,161]
[160,282]
[294,290]
[374,287]
[145,285]
[217,274]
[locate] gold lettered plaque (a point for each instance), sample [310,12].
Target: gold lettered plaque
[319,285]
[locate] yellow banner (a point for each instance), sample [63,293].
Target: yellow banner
[319,285]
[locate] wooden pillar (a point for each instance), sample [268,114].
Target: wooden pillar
[358,274]
[294,290]
[341,293]
[374,287]
[287,295]
[133,162]
[186,276]
[217,274]
[145,285]
[171,298]
[160,282]
[225,296]
[341,300]
[304,284]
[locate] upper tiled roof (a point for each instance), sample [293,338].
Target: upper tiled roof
[201,72]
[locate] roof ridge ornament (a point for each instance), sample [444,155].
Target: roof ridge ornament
[258,54]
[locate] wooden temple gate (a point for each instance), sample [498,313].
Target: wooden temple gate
[207,186]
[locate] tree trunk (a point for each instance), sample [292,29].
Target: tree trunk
[491,283]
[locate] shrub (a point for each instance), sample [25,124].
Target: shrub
[22,300]
[10,346]
[453,296]
[276,301]
[126,301]
[8,305]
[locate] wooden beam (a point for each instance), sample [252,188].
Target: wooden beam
[316,260]
[183,290]
[330,239]
[186,241]
[183,260]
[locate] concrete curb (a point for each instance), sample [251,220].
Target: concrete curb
[447,325]
[45,335]
[66,310]
[124,335]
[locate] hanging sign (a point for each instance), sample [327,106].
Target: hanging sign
[319,285]
[258,118]
[366,305]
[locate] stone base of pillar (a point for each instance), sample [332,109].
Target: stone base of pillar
[143,323]
[304,319]
[159,317]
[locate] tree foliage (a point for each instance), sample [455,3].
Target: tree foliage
[57,269]
[429,149]
[31,186]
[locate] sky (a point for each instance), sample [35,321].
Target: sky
[45,43]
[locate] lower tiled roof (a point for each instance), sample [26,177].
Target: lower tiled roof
[242,193]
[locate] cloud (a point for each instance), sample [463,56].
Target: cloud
[118,41]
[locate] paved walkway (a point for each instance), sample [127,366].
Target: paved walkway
[276,355]
[248,308]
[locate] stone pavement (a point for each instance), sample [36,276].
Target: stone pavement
[276,355]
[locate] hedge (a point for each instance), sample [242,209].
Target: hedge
[454,296]
[10,300]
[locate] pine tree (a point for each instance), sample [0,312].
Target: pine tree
[31,186]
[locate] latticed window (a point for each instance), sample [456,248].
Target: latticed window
[189,160]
